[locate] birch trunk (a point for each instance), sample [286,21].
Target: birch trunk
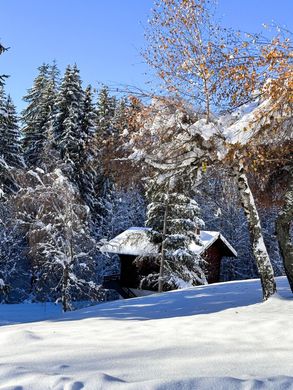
[283,224]
[260,253]
[207,102]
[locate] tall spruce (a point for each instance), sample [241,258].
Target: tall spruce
[11,141]
[88,168]
[74,128]
[105,111]
[120,119]
[67,121]
[37,115]
[10,146]
[105,136]
[174,219]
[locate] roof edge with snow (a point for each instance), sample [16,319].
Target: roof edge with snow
[135,241]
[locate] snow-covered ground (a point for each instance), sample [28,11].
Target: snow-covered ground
[212,337]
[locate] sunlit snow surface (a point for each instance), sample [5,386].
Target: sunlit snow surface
[208,337]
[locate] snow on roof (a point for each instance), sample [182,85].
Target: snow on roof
[136,241]
[208,238]
[133,241]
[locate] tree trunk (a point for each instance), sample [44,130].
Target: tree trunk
[64,293]
[207,100]
[162,262]
[69,261]
[283,224]
[260,253]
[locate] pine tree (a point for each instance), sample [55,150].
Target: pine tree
[88,167]
[37,115]
[96,187]
[10,147]
[120,120]
[89,117]
[174,218]
[105,111]
[67,121]
[12,142]
[74,128]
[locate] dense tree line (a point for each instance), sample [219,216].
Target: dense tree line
[57,200]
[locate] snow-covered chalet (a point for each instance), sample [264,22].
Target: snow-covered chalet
[135,242]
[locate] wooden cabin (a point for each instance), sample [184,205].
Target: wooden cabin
[135,242]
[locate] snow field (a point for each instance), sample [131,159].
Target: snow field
[209,337]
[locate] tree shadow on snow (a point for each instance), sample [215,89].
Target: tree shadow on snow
[179,303]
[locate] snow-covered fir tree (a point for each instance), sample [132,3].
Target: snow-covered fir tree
[105,111]
[10,135]
[67,121]
[13,142]
[10,146]
[120,119]
[87,167]
[74,128]
[37,115]
[174,219]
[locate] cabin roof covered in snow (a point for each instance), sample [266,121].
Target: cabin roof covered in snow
[136,241]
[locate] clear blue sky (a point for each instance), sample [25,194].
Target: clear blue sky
[104,37]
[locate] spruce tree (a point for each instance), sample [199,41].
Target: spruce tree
[12,142]
[10,147]
[74,127]
[37,115]
[67,121]
[120,120]
[105,111]
[174,219]
[88,167]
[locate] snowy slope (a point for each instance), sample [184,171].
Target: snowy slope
[208,337]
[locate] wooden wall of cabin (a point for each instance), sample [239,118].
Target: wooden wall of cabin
[129,274]
[213,256]
[132,273]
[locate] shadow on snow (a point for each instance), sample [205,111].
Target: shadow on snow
[180,303]
[188,302]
